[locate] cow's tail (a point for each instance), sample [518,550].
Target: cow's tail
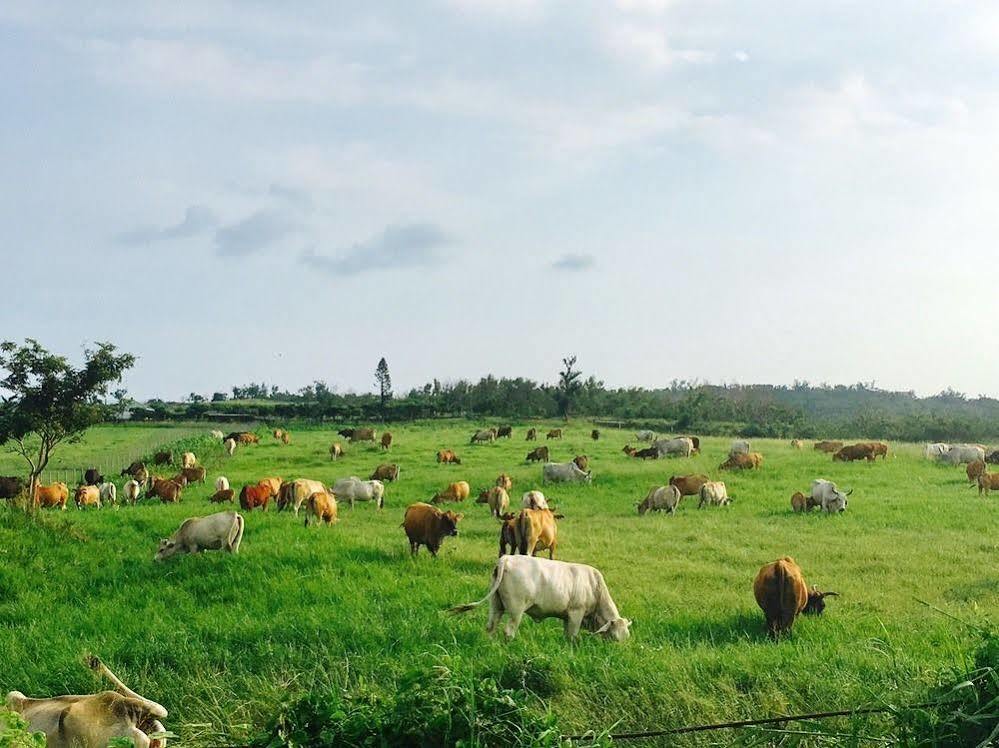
[779,579]
[523,534]
[236,532]
[497,578]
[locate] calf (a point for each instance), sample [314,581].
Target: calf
[457,491]
[448,457]
[386,472]
[130,491]
[498,500]
[427,525]
[93,720]
[538,454]
[542,588]
[222,496]
[216,532]
[194,474]
[649,453]
[659,499]
[689,485]
[508,534]
[221,483]
[802,503]
[782,594]
[595,434]
[323,507]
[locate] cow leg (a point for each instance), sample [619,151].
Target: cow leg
[512,624]
[495,613]
[414,548]
[572,623]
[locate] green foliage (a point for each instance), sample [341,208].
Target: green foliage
[568,387]
[384,381]
[14,732]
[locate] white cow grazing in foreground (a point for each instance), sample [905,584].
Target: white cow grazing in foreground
[92,720]
[564,472]
[354,489]
[576,593]
[216,532]
[739,447]
[830,498]
[682,446]
[534,500]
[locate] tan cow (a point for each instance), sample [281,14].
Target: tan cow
[988,482]
[188,460]
[448,457]
[336,451]
[54,494]
[87,496]
[739,461]
[536,531]
[295,493]
[498,500]
[427,525]
[322,506]
[504,481]
[457,491]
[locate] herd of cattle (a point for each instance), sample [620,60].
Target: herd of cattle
[522,583]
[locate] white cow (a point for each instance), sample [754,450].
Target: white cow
[354,489]
[217,435]
[935,451]
[830,498]
[645,436]
[661,498]
[219,531]
[109,493]
[682,446]
[188,460]
[534,500]
[564,472]
[961,453]
[230,446]
[221,484]
[739,447]
[130,491]
[576,593]
[714,493]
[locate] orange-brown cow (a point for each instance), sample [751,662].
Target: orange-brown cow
[167,491]
[87,496]
[386,472]
[194,474]
[536,530]
[988,482]
[504,481]
[427,525]
[538,454]
[852,452]
[54,494]
[739,461]
[975,469]
[253,496]
[457,491]
[689,485]
[323,507]
[782,594]
[448,457]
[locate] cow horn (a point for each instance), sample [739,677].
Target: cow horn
[603,628]
[829,594]
[849,492]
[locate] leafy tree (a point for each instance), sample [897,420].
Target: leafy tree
[45,401]
[384,380]
[219,397]
[194,397]
[568,386]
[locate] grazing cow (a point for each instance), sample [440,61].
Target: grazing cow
[564,472]
[739,447]
[448,457]
[630,450]
[828,446]
[532,435]
[880,450]
[659,499]
[959,453]
[336,451]
[498,500]
[386,440]
[782,594]
[975,469]
[852,452]
[295,493]
[992,457]
[543,588]
[167,491]
[180,479]
[797,444]
[195,474]
[222,531]
[506,431]
[649,453]
[802,503]
[130,491]
[536,531]
[988,482]
[134,470]
[346,433]
[386,472]
[285,438]
[188,460]
[504,481]
[457,491]
[87,496]
[538,454]
[243,437]
[354,489]
[935,451]
[221,483]
[508,534]
[363,435]
[713,493]
[534,500]
[92,477]
[163,458]
[742,461]
[645,436]
[222,496]
[255,495]
[689,485]
[278,433]
[217,435]
[554,434]
[681,446]
[595,434]
[92,720]
[323,507]
[582,461]
[274,484]
[229,445]
[427,525]
[696,441]
[109,493]
[54,494]
[10,486]
[483,435]
[825,494]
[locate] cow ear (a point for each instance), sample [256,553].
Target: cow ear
[459,516]
[603,628]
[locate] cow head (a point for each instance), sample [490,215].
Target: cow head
[616,629]
[167,548]
[643,507]
[449,523]
[836,502]
[816,601]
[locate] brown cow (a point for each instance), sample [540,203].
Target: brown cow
[975,469]
[880,450]
[802,503]
[448,457]
[988,482]
[852,452]
[427,525]
[363,435]
[782,594]
[180,479]
[163,458]
[285,438]
[828,446]
[54,494]
[167,491]
[10,486]
[87,496]
[274,484]
[504,481]
[536,530]
[222,496]
[689,485]
[386,440]
[630,450]
[323,507]
[386,472]
[194,474]
[538,454]
[532,435]
[134,470]
[506,431]
[581,461]
[508,534]
[253,496]
[554,434]
[797,444]
[243,437]
[278,433]
[336,451]
[457,491]
[649,453]
[739,461]
[595,434]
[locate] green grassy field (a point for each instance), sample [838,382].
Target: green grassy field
[223,640]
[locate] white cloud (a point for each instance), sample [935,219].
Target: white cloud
[649,47]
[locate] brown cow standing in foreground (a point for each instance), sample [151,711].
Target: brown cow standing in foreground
[93,720]
[782,594]
[427,525]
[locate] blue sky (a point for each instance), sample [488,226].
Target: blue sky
[729,191]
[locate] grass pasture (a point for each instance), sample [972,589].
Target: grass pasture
[222,640]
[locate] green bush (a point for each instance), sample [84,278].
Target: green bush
[14,732]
